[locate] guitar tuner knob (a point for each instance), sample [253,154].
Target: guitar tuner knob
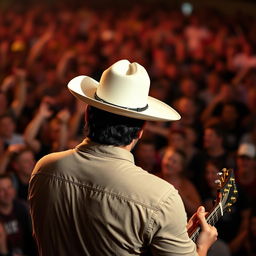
[226,190]
[235,191]
[233,199]
[229,185]
[217,181]
[219,173]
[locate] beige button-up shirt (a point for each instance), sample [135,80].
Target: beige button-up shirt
[93,200]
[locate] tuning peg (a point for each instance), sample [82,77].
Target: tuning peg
[218,183]
[219,173]
[235,191]
[225,170]
[233,199]
[229,185]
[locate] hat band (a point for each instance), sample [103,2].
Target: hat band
[134,109]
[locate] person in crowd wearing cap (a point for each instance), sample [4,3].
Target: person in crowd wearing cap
[93,199]
[245,169]
[234,226]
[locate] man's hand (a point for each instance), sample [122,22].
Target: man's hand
[208,234]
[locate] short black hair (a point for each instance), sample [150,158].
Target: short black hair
[111,129]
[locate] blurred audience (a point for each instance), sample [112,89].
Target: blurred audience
[173,170]
[146,156]
[233,225]
[7,131]
[246,170]
[203,64]
[15,223]
[22,165]
[213,145]
[249,246]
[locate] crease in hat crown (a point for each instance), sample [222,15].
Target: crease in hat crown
[124,84]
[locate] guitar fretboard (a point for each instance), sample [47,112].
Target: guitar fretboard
[212,219]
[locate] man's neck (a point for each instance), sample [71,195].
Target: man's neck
[130,146]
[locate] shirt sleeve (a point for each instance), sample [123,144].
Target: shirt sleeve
[169,232]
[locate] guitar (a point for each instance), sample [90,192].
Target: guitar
[226,196]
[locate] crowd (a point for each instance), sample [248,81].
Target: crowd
[203,65]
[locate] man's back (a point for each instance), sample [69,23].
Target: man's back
[93,200]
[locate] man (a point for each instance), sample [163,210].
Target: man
[19,161]
[23,164]
[93,200]
[15,224]
[213,144]
[7,131]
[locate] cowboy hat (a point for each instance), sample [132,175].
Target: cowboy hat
[123,90]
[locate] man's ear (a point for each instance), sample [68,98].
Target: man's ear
[140,133]
[86,113]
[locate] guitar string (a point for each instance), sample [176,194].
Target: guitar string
[212,219]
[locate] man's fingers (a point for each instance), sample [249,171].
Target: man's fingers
[201,217]
[213,232]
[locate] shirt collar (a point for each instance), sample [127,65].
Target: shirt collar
[105,150]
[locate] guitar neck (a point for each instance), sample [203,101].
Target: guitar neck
[211,219]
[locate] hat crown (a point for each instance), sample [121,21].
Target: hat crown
[124,84]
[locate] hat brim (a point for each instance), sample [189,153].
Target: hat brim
[84,88]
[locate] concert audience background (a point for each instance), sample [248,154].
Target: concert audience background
[203,64]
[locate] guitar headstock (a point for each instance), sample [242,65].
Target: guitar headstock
[226,197]
[227,191]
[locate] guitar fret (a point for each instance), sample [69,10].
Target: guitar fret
[211,219]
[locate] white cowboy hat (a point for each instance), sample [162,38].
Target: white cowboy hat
[123,90]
